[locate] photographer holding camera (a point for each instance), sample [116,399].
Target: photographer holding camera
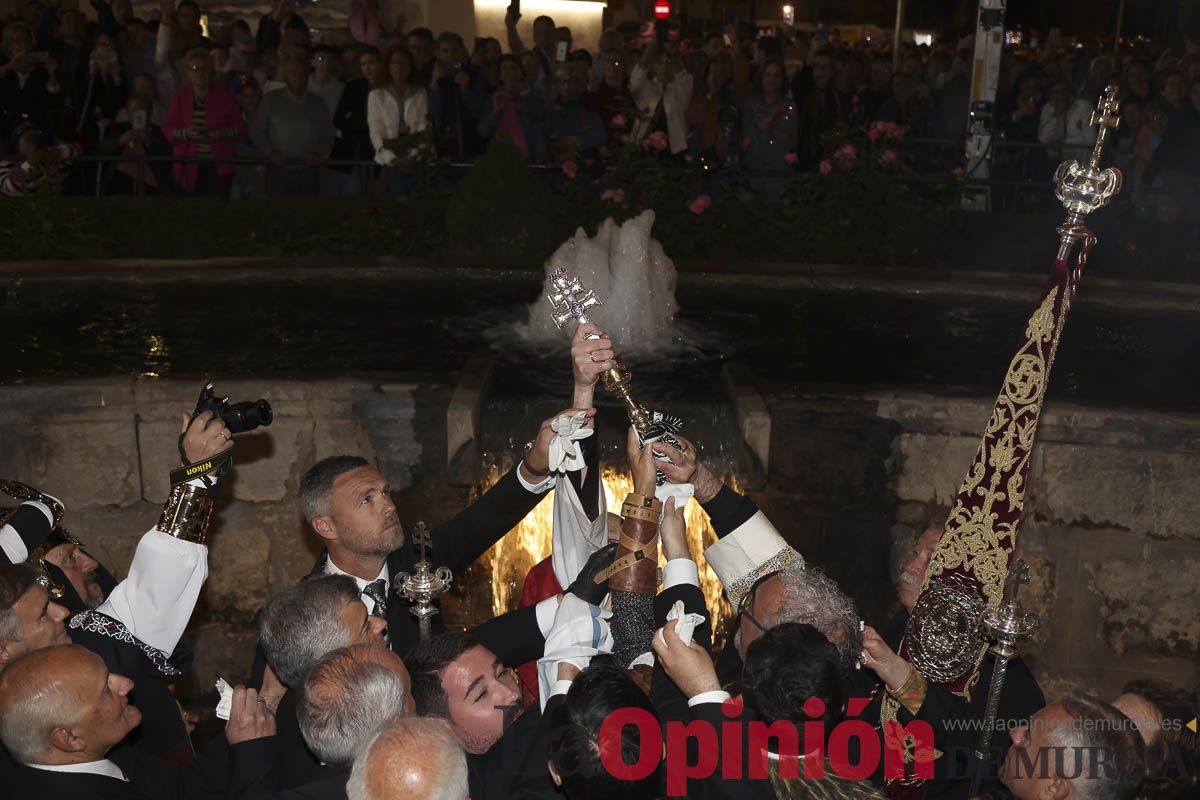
[54,591]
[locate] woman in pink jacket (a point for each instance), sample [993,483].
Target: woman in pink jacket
[203,121]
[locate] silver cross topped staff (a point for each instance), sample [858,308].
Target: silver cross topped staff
[571,299]
[1084,188]
[425,585]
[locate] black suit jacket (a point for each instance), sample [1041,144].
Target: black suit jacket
[515,767]
[210,777]
[456,544]
[514,638]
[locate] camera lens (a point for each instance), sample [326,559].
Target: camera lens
[247,415]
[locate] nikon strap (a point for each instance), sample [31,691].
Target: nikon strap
[221,463]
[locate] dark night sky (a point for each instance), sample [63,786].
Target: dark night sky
[1154,18]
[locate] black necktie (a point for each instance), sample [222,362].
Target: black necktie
[377,591]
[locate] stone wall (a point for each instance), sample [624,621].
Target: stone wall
[1109,532]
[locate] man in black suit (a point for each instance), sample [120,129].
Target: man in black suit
[346,696]
[467,679]
[347,503]
[62,713]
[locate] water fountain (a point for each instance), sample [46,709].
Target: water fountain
[635,281]
[630,273]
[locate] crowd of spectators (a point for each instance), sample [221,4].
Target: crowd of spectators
[305,104]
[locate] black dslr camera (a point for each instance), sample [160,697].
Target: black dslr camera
[238,417]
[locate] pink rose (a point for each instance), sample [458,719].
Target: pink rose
[570,169]
[613,195]
[705,199]
[873,132]
[697,207]
[847,152]
[656,140]
[825,167]
[745,142]
[790,159]
[617,121]
[887,156]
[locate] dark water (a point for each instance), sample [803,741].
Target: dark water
[406,325]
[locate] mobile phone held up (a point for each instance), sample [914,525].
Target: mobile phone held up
[515,7]
[561,53]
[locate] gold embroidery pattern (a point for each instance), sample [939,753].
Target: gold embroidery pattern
[982,527]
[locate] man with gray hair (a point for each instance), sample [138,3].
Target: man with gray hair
[296,629]
[1079,748]
[344,699]
[316,616]
[766,579]
[411,758]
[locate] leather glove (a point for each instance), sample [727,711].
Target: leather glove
[584,586]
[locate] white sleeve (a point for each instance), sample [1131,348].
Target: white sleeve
[709,697]
[156,600]
[377,125]
[678,571]
[12,545]
[536,488]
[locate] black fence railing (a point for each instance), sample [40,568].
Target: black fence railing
[1018,174]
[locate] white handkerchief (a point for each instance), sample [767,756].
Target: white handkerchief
[580,631]
[225,704]
[682,492]
[564,447]
[685,624]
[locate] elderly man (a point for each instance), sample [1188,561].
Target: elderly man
[296,629]
[293,126]
[1021,697]
[347,695]
[138,625]
[62,713]
[765,579]
[411,758]
[1079,748]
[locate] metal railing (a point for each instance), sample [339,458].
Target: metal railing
[1019,179]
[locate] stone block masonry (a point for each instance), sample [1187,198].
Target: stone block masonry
[1109,531]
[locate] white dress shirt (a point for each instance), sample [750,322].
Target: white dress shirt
[333,569]
[104,767]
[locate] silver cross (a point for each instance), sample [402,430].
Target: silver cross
[422,539]
[570,299]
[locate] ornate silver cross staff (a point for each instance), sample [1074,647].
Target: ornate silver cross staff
[425,585]
[572,301]
[1084,188]
[1006,625]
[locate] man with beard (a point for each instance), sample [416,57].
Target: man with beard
[467,680]
[1020,698]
